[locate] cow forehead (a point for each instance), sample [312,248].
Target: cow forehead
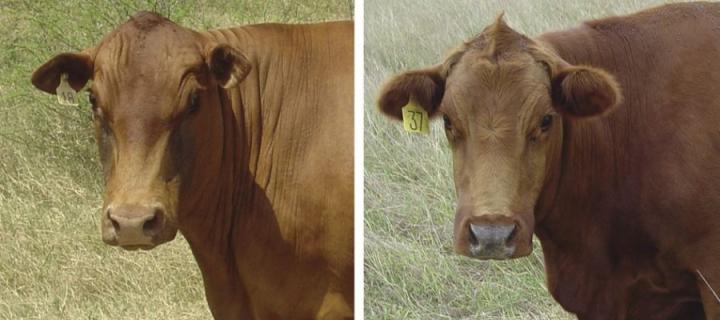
[144,50]
[503,66]
[504,85]
[142,70]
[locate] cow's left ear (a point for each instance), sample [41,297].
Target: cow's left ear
[78,67]
[227,65]
[582,91]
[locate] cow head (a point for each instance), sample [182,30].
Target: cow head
[154,97]
[501,97]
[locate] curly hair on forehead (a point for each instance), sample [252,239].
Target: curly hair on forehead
[147,20]
[496,42]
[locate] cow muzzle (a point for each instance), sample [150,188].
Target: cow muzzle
[491,237]
[134,226]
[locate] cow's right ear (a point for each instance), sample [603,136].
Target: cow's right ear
[582,91]
[425,86]
[227,65]
[78,67]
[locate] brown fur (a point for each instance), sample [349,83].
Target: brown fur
[625,204]
[258,177]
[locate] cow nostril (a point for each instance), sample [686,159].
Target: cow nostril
[511,236]
[115,224]
[473,238]
[154,224]
[492,234]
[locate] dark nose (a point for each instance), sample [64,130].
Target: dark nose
[492,235]
[492,241]
[136,224]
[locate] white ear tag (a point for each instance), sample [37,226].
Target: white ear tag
[65,94]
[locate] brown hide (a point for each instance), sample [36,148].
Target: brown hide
[635,210]
[241,139]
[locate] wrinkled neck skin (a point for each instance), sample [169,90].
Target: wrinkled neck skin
[243,223]
[235,193]
[207,216]
[601,263]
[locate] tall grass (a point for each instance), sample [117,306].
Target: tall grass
[410,270]
[53,264]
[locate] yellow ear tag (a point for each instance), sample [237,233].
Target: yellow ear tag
[415,118]
[65,94]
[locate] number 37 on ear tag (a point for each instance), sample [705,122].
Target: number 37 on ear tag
[415,118]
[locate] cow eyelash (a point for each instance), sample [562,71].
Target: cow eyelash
[447,123]
[546,122]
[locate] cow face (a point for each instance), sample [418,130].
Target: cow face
[501,97]
[158,125]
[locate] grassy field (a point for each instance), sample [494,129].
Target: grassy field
[410,272]
[53,264]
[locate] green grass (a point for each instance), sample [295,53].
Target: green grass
[410,270]
[53,264]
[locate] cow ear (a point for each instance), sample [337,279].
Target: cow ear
[227,65]
[78,67]
[581,91]
[425,86]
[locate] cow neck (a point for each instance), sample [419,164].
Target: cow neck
[592,200]
[267,124]
[260,104]
[553,171]
[264,101]
[212,220]
[213,228]
[598,153]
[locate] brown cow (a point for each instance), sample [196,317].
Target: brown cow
[241,139]
[604,141]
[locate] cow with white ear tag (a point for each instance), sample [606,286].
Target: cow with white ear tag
[238,139]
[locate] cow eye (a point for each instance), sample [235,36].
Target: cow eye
[446,120]
[193,104]
[546,122]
